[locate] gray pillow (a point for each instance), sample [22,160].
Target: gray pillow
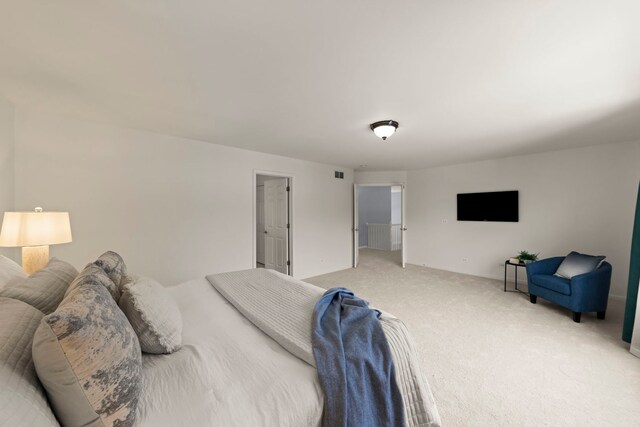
[9,271]
[45,288]
[96,276]
[88,360]
[575,264]
[153,314]
[23,401]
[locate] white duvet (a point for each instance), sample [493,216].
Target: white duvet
[282,307]
[228,372]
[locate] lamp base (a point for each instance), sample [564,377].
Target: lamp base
[34,258]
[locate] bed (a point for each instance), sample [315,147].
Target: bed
[244,356]
[227,373]
[250,371]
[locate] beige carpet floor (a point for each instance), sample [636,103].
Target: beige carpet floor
[493,358]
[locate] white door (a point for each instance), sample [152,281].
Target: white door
[403,227]
[276,234]
[260,224]
[356,233]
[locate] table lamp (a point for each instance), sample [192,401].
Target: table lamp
[35,231]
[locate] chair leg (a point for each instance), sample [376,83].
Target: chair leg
[533,298]
[576,317]
[601,315]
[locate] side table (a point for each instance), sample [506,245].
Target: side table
[515,266]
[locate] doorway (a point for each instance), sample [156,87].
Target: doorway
[379,224]
[273,222]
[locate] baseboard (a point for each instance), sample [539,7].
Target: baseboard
[365,246]
[499,278]
[635,351]
[617,298]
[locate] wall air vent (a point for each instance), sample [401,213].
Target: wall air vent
[339,175]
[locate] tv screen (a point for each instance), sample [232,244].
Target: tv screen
[497,206]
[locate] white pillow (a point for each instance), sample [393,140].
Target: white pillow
[153,314]
[9,271]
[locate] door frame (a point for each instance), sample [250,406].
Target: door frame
[260,233]
[275,174]
[402,214]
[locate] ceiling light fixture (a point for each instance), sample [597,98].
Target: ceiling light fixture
[384,129]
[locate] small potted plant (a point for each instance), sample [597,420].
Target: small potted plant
[527,257]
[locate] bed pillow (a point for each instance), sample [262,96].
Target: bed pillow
[9,271]
[45,288]
[94,275]
[576,263]
[114,266]
[88,359]
[153,314]
[23,401]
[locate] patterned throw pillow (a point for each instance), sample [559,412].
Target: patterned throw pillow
[88,359]
[153,314]
[45,288]
[94,275]
[114,266]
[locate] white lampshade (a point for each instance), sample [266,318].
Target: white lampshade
[35,228]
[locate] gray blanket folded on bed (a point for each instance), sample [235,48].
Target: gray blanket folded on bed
[282,307]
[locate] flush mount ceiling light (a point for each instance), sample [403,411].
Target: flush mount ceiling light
[384,129]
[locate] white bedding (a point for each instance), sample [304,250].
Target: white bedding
[282,307]
[228,373]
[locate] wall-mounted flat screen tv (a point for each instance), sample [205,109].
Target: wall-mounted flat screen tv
[496,206]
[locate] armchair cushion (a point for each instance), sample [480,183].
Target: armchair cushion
[553,283]
[576,263]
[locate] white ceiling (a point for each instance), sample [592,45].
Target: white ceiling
[467,80]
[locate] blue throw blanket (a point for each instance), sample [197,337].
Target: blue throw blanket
[354,363]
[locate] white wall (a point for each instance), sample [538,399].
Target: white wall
[382,177]
[6,163]
[176,209]
[579,199]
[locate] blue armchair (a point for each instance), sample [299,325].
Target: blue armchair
[587,292]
